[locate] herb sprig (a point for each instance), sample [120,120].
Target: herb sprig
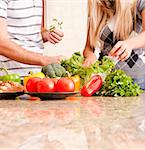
[55,24]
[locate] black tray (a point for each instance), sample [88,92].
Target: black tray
[10,95]
[52,95]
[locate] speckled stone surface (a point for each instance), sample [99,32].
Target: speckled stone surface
[77,123]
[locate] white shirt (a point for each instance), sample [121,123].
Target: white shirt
[24,19]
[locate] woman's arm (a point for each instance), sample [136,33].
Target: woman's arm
[123,49]
[88,53]
[139,41]
[15,52]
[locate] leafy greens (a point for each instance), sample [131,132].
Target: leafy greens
[118,83]
[74,67]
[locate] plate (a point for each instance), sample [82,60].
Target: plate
[52,95]
[10,95]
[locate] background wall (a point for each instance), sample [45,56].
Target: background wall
[73,13]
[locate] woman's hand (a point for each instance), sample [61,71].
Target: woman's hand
[89,60]
[53,37]
[122,50]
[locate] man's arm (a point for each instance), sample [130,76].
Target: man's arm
[15,52]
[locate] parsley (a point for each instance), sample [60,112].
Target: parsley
[117,83]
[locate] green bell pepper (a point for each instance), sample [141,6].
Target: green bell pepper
[9,77]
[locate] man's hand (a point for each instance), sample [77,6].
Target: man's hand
[53,59]
[53,37]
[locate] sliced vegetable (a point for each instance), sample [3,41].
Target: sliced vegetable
[9,77]
[92,86]
[54,70]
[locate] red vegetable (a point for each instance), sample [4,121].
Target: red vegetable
[65,85]
[45,85]
[92,86]
[31,84]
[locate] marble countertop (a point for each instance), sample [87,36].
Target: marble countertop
[76,123]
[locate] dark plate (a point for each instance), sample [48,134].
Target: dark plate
[51,95]
[10,95]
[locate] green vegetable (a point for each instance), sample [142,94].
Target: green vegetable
[118,83]
[74,67]
[9,77]
[73,64]
[55,24]
[54,70]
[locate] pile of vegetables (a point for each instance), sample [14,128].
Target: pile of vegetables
[115,83]
[56,71]
[74,67]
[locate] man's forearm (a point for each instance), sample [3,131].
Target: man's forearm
[15,52]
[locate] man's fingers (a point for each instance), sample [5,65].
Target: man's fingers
[58,59]
[54,39]
[56,36]
[51,41]
[58,32]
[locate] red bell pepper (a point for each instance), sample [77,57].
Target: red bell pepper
[92,86]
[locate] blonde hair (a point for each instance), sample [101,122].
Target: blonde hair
[100,11]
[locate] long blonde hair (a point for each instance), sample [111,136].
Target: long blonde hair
[100,11]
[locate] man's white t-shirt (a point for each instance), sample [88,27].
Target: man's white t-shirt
[24,19]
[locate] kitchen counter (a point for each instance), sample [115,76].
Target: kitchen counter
[77,123]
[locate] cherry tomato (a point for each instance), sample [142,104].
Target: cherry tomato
[31,84]
[45,85]
[65,85]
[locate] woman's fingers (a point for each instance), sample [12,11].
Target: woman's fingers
[124,56]
[115,49]
[122,50]
[86,63]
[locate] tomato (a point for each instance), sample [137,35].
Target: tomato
[55,80]
[31,84]
[65,85]
[32,75]
[45,85]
